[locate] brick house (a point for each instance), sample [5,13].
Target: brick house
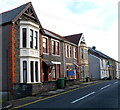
[52,56]
[21,48]
[71,63]
[81,53]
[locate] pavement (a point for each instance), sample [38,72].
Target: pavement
[29,99]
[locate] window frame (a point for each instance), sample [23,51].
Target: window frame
[46,46]
[24,37]
[31,38]
[24,62]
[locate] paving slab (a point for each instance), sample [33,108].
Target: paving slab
[52,92]
[76,86]
[60,90]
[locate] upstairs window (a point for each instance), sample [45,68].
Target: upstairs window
[36,40]
[75,52]
[67,51]
[45,45]
[70,51]
[53,47]
[57,48]
[24,34]
[31,38]
[82,54]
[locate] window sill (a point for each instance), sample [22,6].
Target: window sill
[46,53]
[56,55]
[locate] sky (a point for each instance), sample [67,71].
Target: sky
[96,19]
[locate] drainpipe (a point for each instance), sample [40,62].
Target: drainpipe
[63,56]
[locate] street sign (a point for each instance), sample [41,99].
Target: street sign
[71,73]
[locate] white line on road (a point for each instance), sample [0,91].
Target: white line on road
[83,97]
[115,82]
[105,87]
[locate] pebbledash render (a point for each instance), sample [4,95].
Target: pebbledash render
[34,56]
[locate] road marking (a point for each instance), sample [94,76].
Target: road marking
[115,82]
[83,97]
[105,87]
[29,103]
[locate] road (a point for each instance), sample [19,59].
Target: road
[101,95]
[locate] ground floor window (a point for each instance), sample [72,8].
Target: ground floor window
[32,70]
[55,71]
[24,71]
[29,71]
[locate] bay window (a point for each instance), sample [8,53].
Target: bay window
[30,71]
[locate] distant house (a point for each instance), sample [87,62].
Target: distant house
[81,53]
[72,70]
[98,64]
[117,70]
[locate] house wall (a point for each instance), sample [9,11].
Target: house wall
[117,70]
[69,63]
[112,69]
[55,59]
[94,67]
[6,56]
[104,68]
[84,60]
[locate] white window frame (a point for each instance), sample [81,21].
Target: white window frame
[28,70]
[29,25]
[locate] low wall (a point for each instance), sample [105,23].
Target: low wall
[23,89]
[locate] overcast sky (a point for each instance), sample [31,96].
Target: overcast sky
[96,19]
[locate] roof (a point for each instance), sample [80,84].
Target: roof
[14,14]
[97,53]
[57,36]
[8,16]
[74,38]
[51,34]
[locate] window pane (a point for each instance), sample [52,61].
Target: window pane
[36,71]
[57,48]
[24,35]
[24,71]
[53,72]
[36,38]
[32,71]
[45,45]
[31,38]
[53,47]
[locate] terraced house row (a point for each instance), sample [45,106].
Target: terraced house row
[33,58]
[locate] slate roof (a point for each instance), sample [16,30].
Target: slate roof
[53,35]
[74,38]
[8,16]
[97,53]
[56,36]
